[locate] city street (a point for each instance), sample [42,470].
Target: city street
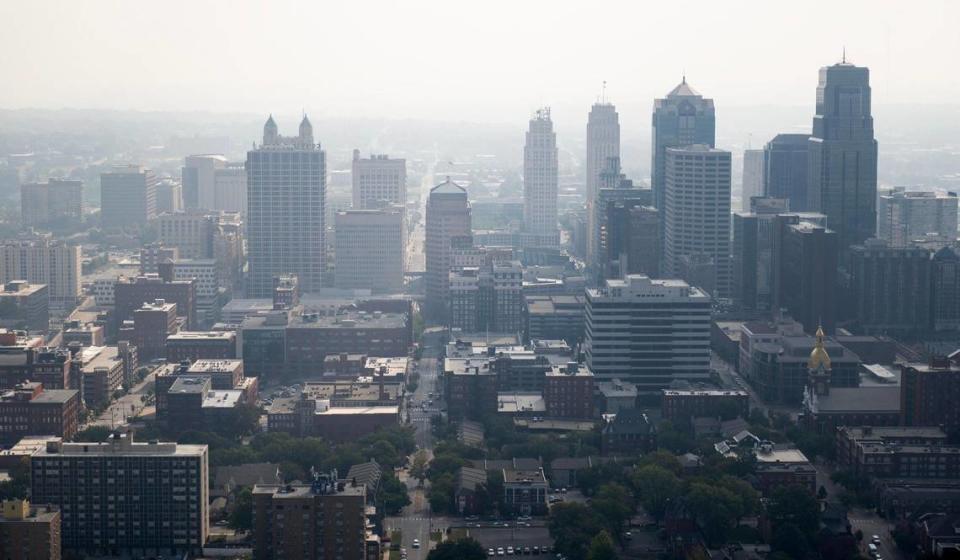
[871,524]
[416,521]
[125,407]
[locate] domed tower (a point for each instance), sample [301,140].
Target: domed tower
[270,134]
[818,367]
[306,131]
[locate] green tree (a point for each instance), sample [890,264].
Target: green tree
[572,526]
[418,469]
[715,509]
[241,518]
[664,459]
[656,487]
[789,539]
[395,496]
[602,547]
[93,434]
[794,504]
[614,504]
[440,494]
[462,549]
[18,487]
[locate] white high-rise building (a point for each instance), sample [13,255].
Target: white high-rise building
[540,188]
[230,189]
[905,216]
[286,188]
[697,222]
[369,249]
[43,261]
[378,181]
[648,332]
[752,185]
[603,143]
[198,177]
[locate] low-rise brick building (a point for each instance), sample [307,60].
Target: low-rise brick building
[28,409]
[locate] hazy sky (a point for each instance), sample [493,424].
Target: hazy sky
[452,59]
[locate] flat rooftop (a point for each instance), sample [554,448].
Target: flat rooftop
[215,366]
[222,399]
[781,456]
[512,476]
[294,491]
[226,336]
[516,402]
[121,446]
[703,393]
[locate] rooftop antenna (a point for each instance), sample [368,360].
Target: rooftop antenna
[684,72]
[844,59]
[603,92]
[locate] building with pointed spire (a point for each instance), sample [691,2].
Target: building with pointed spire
[540,186]
[682,118]
[603,143]
[843,154]
[286,194]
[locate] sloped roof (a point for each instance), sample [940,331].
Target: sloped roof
[367,474]
[248,474]
[683,90]
[448,187]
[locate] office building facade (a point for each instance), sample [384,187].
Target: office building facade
[128,196]
[540,183]
[697,214]
[44,261]
[370,249]
[785,169]
[648,332]
[603,143]
[378,181]
[286,188]
[805,261]
[682,118]
[906,216]
[843,154]
[447,219]
[56,202]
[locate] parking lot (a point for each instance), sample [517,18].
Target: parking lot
[490,537]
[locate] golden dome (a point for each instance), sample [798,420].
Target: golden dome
[818,356]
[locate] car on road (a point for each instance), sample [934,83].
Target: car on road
[491,552]
[524,518]
[500,551]
[875,539]
[510,550]
[416,543]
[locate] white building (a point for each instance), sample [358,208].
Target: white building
[103,291]
[198,177]
[697,217]
[286,192]
[603,143]
[648,332]
[43,261]
[369,249]
[540,187]
[378,180]
[230,189]
[905,216]
[204,273]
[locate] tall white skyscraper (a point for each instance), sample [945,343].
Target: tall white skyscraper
[697,223]
[378,181]
[603,143]
[369,249]
[752,185]
[286,187]
[540,177]
[648,332]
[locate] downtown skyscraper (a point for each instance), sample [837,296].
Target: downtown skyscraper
[603,143]
[843,154]
[682,118]
[540,188]
[286,191]
[447,222]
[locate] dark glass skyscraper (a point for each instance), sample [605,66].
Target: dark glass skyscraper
[843,154]
[786,165]
[682,118]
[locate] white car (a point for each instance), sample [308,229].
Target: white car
[500,551]
[510,550]
[491,552]
[416,543]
